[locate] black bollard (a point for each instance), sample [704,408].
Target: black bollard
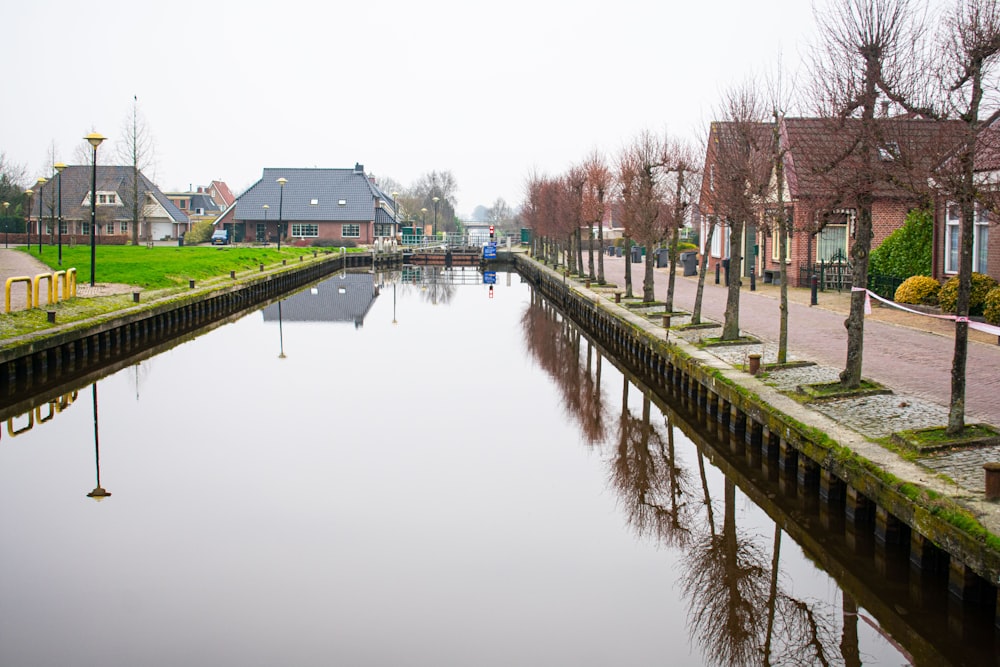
[717,268]
[814,286]
[726,267]
[753,281]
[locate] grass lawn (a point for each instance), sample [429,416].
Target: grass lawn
[164,266]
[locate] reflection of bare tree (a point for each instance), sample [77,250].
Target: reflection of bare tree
[556,345]
[435,289]
[648,478]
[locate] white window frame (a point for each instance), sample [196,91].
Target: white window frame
[952,239]
[305,230]
[350,227]
[123,227]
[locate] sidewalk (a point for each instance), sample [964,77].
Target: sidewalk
[909,353]
[15,263]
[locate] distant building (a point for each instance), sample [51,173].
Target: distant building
[338,205]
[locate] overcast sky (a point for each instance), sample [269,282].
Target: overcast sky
[489,92]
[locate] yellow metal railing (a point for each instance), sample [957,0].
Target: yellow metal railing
[33,288]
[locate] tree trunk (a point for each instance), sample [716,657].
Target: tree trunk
[850,378]
[672,275]
[648,280]
[783,299]
[590,256]
[702,270]
[600,255]
[627,250]
[731,325]
[579,252]
[956,405]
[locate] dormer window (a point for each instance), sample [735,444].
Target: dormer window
[342,202]
[314,202]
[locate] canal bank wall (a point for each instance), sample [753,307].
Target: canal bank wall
[876,491]
[55,356]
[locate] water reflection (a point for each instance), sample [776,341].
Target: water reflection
[347,297]
[99,493]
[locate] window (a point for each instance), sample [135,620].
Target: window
[952,239]
[85,228]
[302,230]
[123,227]
[831,243]
[717,241]
[776,237]
[350,231]
[63,227]
[48,228]
[711,178]
[261,232]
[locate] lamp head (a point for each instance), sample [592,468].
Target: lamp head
[423,210]
[29,192]
[6,205]
[42,181]
[95,139]
[435,199]
[265,207]
[282,181]
[59,166]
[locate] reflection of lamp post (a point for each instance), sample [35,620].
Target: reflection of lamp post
[265,207]
[281,201]
[281,338]
[435,228]
[41,200]
[98,493]
[6,205]
[59,170]
[30,193]
[95,140]
[423,221]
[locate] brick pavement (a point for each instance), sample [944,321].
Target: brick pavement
[16,263]
[909,353]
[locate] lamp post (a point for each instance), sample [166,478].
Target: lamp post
[95,140]
[435,229]
[59,170]
[423,221]
[41,200]
[281,201]
[265,207]
[6,205]
[395,207]
[29,193]
[99,493]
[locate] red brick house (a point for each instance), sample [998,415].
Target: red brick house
[337,205]
[818,189]
[986,246]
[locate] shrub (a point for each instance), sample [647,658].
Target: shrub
[334,243]
[991,306]
[907,251]
[981,285]
[922,290]
[201,232]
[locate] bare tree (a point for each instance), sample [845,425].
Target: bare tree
[640,181]
[970,48]
[596,192]
[863,56]
[444,186]
[136,149]
[680,161]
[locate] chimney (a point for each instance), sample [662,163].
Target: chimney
[359,168]
[885,108]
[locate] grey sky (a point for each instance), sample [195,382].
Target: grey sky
[489,92]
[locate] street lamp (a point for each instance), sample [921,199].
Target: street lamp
[435,200]
[6,205]
[99,493]
[423,221]
[95,140]
[59,170]
[281,201]
[29,194]
[41,200]
[395,207]
[265,207]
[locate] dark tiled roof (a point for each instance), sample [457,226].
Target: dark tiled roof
[204,202]
[311,195]
[76,188]
[325,302]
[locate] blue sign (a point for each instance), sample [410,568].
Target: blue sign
[490,251]
[489,277]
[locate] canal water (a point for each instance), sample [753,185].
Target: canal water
[411,469]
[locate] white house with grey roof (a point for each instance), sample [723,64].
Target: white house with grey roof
[340,205]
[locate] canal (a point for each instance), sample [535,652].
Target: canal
[417,469]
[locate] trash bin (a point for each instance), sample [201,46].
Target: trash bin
[180,240]
[618,251]
[636,254]
[689,260]
[611,251]
[662,257]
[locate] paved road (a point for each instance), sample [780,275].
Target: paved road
[16,263]
[910,353]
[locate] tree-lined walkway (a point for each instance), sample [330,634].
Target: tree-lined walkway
[912,354]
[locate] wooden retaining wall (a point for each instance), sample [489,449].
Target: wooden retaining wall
[845,483]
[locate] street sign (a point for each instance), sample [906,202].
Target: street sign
[490,251]
[489,277]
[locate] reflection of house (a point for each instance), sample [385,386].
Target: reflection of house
[819,189]
[314,204]
[115,194]
[344,298]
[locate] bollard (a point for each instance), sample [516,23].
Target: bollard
[232,274]
[754,364]
[588,284]
[51,316]
[992,480]
[315,253]
[261,267]
[135,297]
[814,285]
[753,281]
[191,284]
[666,321]
[284,262]
[618,297]
[717,268]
